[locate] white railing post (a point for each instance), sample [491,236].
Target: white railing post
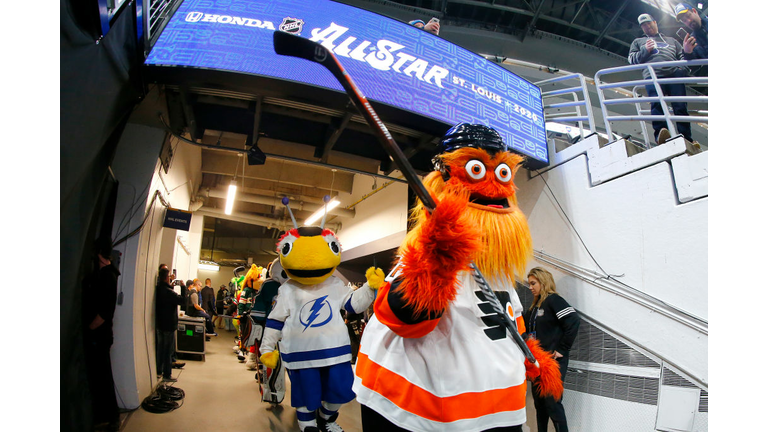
[643,126]
[664,107]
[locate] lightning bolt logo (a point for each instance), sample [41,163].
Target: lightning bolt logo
[315,308]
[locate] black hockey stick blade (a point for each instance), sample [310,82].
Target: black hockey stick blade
[297,46]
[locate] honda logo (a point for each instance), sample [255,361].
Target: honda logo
[194,17]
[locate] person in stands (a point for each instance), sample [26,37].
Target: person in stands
[433,26]
[555,324]
[689,16]
[654,47]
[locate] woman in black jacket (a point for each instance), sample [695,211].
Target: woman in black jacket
[555,324]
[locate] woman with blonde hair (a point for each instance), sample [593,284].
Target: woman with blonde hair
[555,324]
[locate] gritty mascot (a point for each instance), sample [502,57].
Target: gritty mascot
[434,357]
[315,343]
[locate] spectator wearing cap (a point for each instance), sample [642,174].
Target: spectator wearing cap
[433,26]
[653,47]
[689,16]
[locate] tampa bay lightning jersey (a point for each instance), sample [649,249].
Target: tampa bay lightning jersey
[309,317]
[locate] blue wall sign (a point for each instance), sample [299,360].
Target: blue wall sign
[177,219]
[392,62]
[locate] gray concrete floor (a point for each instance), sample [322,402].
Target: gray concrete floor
[222,395]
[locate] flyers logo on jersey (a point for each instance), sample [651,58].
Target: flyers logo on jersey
[316,313]
[495,329]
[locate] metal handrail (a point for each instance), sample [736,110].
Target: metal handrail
[640,111]
[578,102]
[601,86]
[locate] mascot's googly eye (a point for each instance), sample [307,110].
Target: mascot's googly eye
[503,173]
[334,247]
[333,243]
[475,169]
[286,245]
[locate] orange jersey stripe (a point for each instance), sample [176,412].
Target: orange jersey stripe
[384,314]
[422,403]
[520,324]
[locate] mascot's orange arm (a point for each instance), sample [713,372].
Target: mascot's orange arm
[390,310]
[445,244]
[548,373]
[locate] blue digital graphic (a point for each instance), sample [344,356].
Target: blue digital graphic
[391,62]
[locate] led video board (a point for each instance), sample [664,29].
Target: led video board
[392,62]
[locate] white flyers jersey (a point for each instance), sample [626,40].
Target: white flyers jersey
[465,375]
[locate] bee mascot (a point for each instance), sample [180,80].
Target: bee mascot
[315,344]
[435,356]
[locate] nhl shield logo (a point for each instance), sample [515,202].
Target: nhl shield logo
[291,25]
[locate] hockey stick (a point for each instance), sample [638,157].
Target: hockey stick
[296,46]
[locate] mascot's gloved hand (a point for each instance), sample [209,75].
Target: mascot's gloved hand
[375,277]
[445,243]
[547,375]
[270,359]
[447,232]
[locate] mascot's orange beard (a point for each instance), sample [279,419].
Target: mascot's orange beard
[505,234]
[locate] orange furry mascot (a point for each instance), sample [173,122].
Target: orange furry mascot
[436,357]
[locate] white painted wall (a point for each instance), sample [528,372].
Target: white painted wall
[633,226]
[381,215]
[136,167]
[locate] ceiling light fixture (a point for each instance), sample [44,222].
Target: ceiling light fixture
[208,266]
[321,212]
[230,197]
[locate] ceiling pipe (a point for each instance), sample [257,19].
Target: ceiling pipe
[279,224]
[276,202]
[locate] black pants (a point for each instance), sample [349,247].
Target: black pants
[164,342]
[98,365]
[208,320]
[375,422]
[678,108]
[549,408]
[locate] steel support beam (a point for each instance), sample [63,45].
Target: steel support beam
[532,25]
[337,130]
[611,22]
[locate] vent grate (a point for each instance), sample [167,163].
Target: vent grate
[614,386]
